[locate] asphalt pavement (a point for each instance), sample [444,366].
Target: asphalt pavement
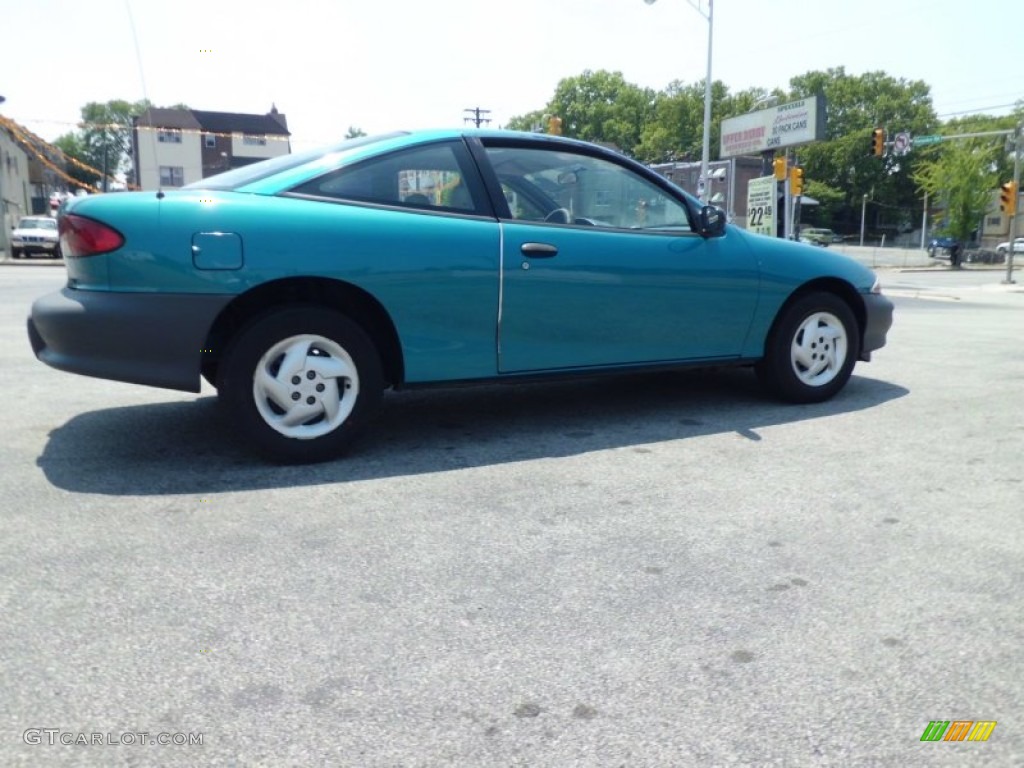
[649,570]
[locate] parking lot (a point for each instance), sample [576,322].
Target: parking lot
[650,570]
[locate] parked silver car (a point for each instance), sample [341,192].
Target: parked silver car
[1018,246]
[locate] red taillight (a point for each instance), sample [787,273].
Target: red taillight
[80,236]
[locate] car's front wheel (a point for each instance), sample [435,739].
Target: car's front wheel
[300,382]
[15,253]
[811,350]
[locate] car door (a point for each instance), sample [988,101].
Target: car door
[601,266]
[414,229]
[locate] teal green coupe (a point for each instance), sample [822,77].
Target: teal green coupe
[303,286]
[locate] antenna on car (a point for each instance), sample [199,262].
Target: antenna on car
[145,95]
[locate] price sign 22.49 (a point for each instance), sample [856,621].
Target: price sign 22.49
[761,206]
[758,217]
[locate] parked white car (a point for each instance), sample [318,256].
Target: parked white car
[1018,246]
[35,234]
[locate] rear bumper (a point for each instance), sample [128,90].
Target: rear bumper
[140,338]
[877,322]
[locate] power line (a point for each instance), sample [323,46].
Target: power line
[978,109]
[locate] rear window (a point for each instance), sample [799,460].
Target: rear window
[266,168]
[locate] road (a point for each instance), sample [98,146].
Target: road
[655,570]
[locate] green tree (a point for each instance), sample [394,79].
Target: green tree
[528,121]
[74,149]
[675,131]
[354,133]
[597,106]
[855,105]
[830,202]
[104,139]
[106,133]
[960,177]
[983,123]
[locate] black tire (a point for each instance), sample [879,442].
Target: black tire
[792,380]
[329,340]
[15,253]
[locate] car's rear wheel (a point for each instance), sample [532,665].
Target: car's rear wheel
[300,382]
[812,349]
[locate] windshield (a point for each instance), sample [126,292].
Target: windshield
[261,170]
[37,224]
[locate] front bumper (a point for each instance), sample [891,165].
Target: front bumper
[154,339]
[34,246]
[877,322]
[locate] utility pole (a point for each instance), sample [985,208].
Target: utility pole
[477,116]
[863,208]
[924,222]
[105,187]
[787,208]
[1015,204]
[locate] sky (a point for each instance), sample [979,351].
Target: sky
[384,65]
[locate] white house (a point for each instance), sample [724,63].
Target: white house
[15,185]
[174,147]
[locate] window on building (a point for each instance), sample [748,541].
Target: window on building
[172,176]
[209,140]
[254,141]
[994,221]
[169,135]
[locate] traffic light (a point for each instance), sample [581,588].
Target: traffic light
[796,181]
[878,142]
[1008,198]
[779,166]
[555,126]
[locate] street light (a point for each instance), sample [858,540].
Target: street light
[705,155]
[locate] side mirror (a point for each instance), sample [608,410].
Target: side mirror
[712,221]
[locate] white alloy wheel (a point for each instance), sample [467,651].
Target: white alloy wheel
[305,386]
[819,349]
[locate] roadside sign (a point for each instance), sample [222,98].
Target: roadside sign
[787,125]
[901,143]
[924,141]
[761,206]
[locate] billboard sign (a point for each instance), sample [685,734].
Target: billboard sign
[787,125]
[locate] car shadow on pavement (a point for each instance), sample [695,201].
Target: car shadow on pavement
[189,447]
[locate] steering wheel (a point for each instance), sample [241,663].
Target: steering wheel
[558,216]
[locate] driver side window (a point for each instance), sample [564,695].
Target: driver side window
[563,187]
